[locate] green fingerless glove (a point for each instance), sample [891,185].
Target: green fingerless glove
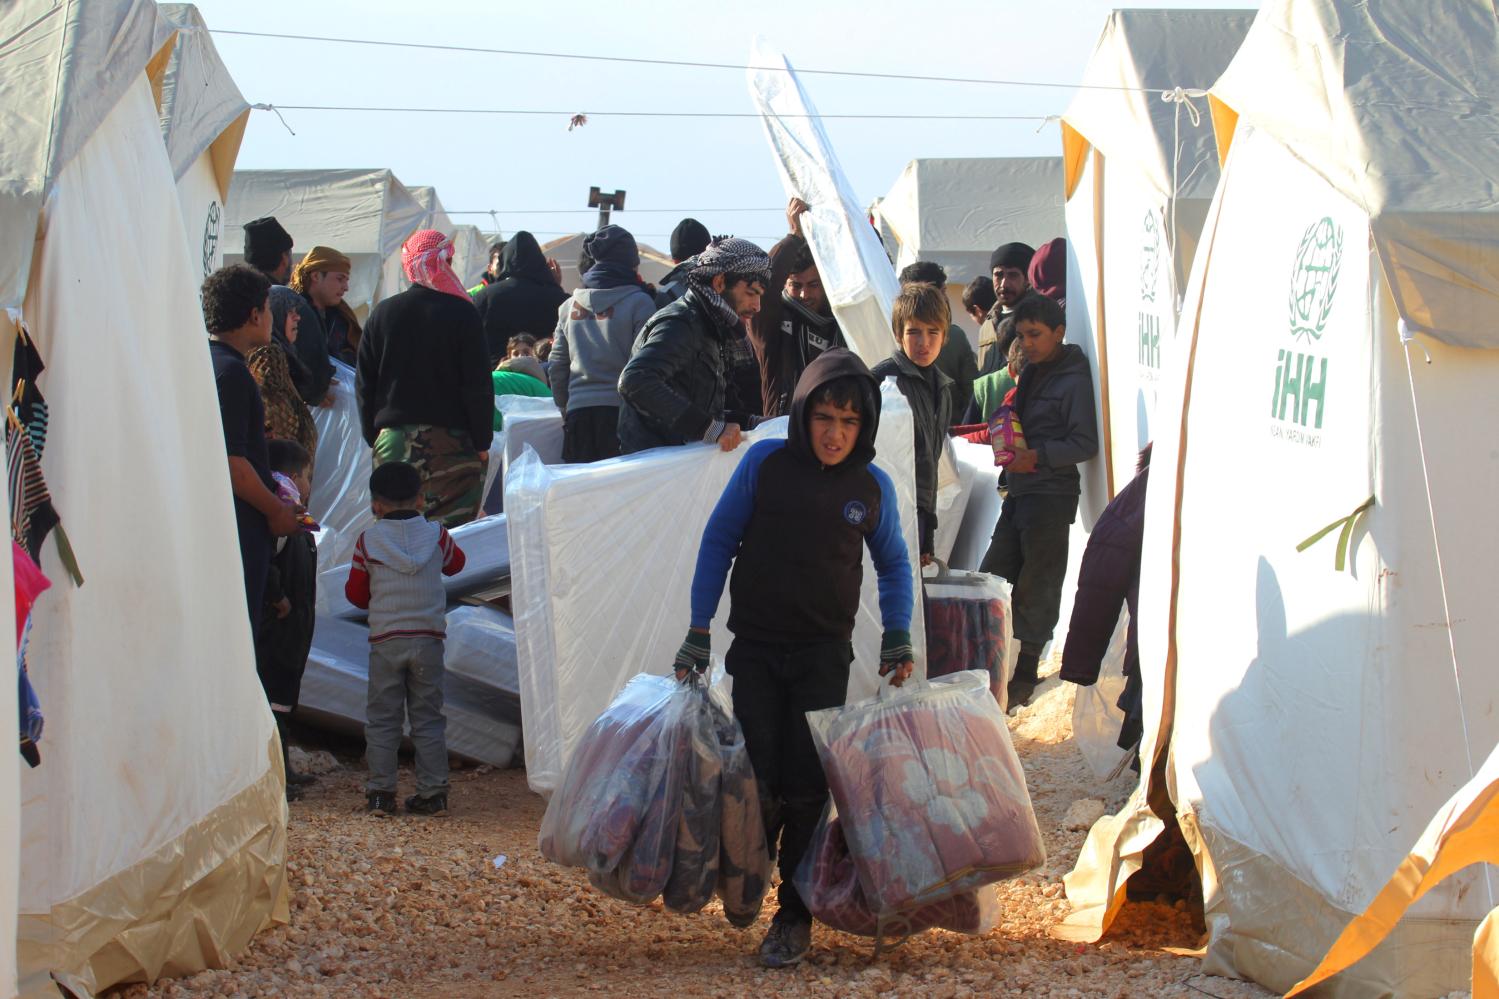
[895,648]
[693,655]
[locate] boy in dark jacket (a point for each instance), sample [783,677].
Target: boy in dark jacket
[1054,401]
[921,317]
[286,618]
[674,388]
[794,521]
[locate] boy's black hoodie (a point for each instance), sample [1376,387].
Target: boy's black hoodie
[795,530]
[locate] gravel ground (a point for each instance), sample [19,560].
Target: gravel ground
[407,906]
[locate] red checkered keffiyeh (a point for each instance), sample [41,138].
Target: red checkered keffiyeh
[427,259]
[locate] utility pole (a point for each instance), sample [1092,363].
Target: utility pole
[605,203]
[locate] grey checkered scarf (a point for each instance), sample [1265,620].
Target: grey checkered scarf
[726,255]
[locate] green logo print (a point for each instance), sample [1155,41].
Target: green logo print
[1314,279]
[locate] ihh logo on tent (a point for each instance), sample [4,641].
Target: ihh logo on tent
[1150,275]
[210,238]
[1301,379]
[1314,279]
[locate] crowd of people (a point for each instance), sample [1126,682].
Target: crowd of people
[731,337]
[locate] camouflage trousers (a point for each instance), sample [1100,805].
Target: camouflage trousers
[452,474]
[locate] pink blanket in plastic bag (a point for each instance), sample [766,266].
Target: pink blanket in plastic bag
[659,799]
[929,790]
[828,881]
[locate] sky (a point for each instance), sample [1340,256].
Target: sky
[536,173]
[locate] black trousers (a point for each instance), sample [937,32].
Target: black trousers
[590,434]
[774,687]
[1029,548]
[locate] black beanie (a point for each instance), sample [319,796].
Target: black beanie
[264,238]
[1017,255]
[688,239]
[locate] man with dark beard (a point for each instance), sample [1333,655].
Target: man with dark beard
[796,323]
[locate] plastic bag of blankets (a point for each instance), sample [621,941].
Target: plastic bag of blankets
[931,807]
[967,624]
[659,799]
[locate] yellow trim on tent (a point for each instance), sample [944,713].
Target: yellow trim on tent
[156,69]
[1074,158]
[1225,123]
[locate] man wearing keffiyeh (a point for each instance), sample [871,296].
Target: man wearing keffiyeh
[422,381]
[674,387]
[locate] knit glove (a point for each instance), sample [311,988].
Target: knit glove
[714,432]
[692,657]
[895,649]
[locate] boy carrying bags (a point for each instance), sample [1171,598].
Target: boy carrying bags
[397,575]
[794,521]
[1054,403]
[921,317]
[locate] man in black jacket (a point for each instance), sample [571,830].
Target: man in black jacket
[688,239]
[796,322]
[674,387]
[525,299]
[1009,267]
[423,382]
[1054,402]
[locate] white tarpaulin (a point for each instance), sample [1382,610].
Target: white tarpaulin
[340,499]
[1140,173]
[153,834]
[203,118]
[855,272]
[1344,644]
[364,214]
[601,586]
[956,211]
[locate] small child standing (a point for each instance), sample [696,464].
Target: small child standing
[289,608]
[396,574]
[920,318]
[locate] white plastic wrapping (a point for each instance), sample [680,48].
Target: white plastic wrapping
[972,530]
[856,274]
[642,802]
[479,656]
[602,561]
[340,499]
[1096,716]
[336,685]
[930,793]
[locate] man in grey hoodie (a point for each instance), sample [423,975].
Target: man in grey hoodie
[592,343]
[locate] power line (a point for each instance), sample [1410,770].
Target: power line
[657,114]
[740,67]
[632,211]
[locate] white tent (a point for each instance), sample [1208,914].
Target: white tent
[470,253]
[153,834]
[1140,172]
[203,118]
[654,265]
[956,211]
[366,214]
[1304,718]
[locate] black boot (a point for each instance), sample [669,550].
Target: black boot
[1023,684]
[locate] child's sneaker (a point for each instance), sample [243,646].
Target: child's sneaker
[435,805]
[787,942]
[380,803]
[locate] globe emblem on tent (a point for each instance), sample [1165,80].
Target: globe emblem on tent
[210,237]
[1314,279]
[1150,257]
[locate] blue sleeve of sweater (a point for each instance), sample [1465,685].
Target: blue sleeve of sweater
[892,560]
[724,532]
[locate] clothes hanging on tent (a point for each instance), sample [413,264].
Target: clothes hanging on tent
[32,516]
[29,584]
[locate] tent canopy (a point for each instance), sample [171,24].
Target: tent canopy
[366,214]
[1397,107]
[956,211]
[63,68]
[201,107]
[1147,52]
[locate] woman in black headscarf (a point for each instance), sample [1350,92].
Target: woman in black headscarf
[524,300]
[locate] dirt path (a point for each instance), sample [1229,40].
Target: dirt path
[406,906]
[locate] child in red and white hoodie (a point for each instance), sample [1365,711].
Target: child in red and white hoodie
[399,562]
